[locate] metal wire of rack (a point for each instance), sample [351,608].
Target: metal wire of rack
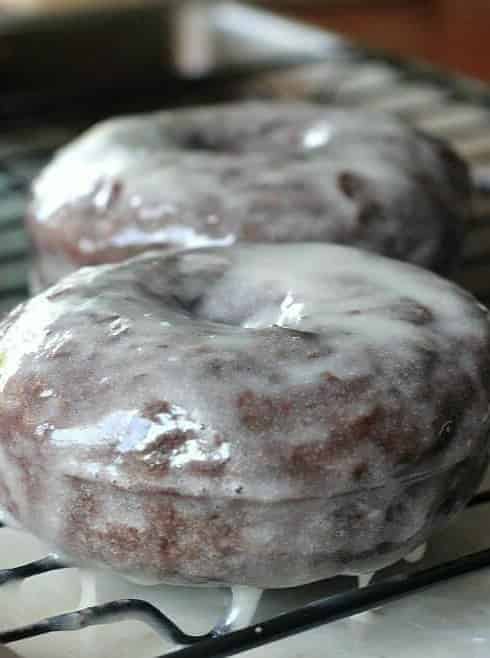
[222,641]
[453,108]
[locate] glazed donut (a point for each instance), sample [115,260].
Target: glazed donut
[260,172]
[264,415]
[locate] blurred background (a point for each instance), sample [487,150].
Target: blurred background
[57,41]
[454,34]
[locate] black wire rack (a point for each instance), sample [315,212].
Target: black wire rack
[222,641]
[35,123]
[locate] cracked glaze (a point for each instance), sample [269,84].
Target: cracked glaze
[256,172]
[257,415]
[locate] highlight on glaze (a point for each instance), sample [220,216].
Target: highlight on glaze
[248,172]
[172,417]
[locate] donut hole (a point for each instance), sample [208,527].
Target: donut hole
[181,281]
[197,140]
[209,285]
[207,139]
[195,284]
[215,133]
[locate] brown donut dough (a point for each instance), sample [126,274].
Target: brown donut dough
[261,172]
[263,415]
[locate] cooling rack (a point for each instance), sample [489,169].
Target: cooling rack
[34,123]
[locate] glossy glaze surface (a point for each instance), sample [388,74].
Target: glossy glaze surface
[257,172]
[177,415]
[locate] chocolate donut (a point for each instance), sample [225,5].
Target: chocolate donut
[264,415]
[260,172]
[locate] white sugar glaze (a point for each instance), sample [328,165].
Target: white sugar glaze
[182,445]
[253,172]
